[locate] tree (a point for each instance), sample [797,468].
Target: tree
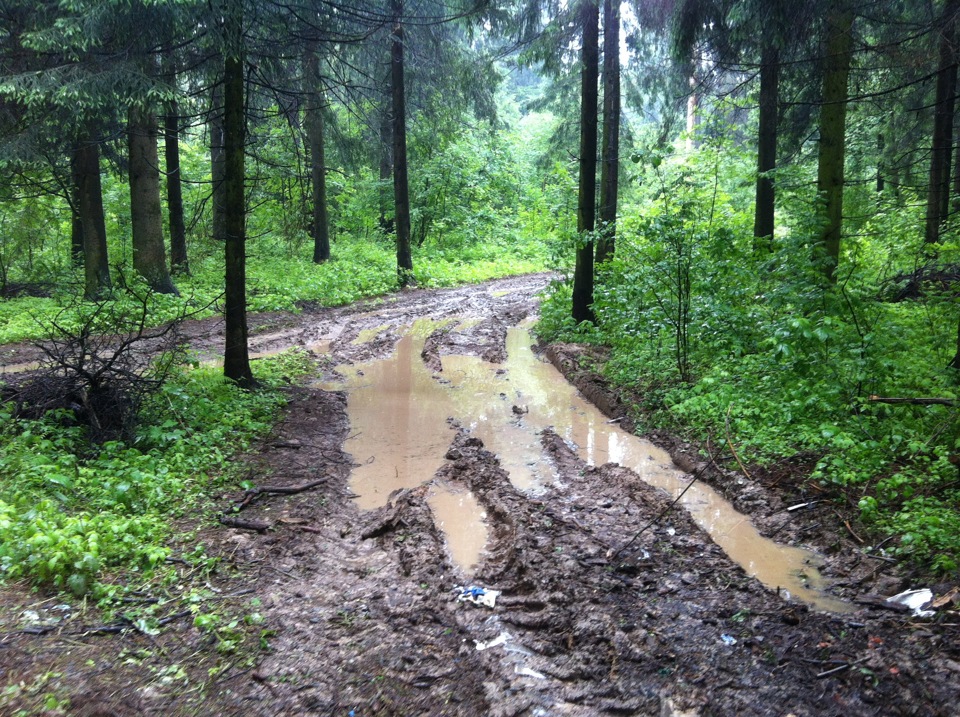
[236,356]
[96,268]
[318,171]
[833,115]
[149,254]
[938,193]
[217,190]
[401,187]
[610,149]
[587,192]
[765,205]
[178,229]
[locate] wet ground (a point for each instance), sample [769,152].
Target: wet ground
[496,473]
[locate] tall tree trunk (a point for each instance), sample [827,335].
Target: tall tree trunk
[178,228]
[763,219]
[386,162]
[401,191]
[236,354]
[955,361]
[218,190]
[146,219]
[881,147]
[692,101]
[587,194]
[610,150]
[76,219]
[96,267]
[833,121]
[318,170]
[938,192]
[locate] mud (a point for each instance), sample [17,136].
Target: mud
[360,603]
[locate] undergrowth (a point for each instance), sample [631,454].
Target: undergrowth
[70,513]
[714,338]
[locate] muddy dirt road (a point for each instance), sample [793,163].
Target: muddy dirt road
[493,476]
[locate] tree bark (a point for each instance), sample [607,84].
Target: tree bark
[96,267]
[401,191]
[938,192]
[386,163]
[219,217]
[76,220]
[146,219]
[178,228]
[763,219]
[318,171]
[587,194]
[610,150]
[833,120]
[236,355]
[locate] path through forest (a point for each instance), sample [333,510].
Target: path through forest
[358,586]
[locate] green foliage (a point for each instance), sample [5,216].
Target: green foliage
[67,516]
[776,358]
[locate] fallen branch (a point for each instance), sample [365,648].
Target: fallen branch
[915,401]
[730,443]
[846,524]
[252,493]
[661,514]
[841,668]
[257,525]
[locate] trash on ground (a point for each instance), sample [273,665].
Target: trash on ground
[478,596]
[915,600]
[500,639]
[527,672]
[728,639]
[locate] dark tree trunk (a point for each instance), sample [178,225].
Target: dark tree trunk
[386,163]
[610,151]
[881,147]
[96,268]
[178,228]
[219,216]
[318,171]
[146,218]
[236,356]
[76,220]
[833,121]
[763,219]
[587,194]
[955,361]
[401,192]
[938,192]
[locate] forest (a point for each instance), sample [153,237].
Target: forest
[748,210]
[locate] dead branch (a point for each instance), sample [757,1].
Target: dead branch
[732,449]
[241,524]
[915,401]
[250,495]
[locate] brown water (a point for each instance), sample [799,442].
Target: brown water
[400,432]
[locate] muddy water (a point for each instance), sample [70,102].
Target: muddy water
[400,411]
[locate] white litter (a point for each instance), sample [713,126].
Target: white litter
[527,672]
[915,600]
[500,639]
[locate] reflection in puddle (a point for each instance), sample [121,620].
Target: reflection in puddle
[400,433]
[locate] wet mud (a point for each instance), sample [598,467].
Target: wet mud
[360,593]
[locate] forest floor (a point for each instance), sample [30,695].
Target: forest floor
[354,611]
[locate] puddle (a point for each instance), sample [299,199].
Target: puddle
[400,432]
[19,367]
[460,517]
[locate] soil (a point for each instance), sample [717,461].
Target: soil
[356,611]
